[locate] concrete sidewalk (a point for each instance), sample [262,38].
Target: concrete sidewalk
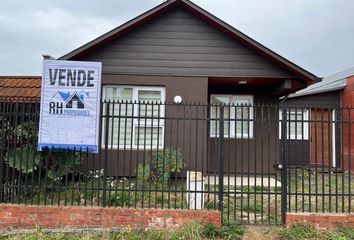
[244,181]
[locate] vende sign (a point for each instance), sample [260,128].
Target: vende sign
[70,105]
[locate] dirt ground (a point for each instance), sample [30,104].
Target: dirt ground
[258,233]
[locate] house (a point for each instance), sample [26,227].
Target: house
[177,50]
[327,112]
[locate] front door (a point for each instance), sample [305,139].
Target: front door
[321,138]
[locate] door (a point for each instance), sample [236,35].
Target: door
[321,138]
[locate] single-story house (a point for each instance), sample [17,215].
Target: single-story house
[180,49]
[327,112]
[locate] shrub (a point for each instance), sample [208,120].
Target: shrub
[159,167]
[231,230]
[188,231]
[295,232]
[210,230]
[26,159]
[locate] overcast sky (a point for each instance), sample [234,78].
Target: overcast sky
[318,35]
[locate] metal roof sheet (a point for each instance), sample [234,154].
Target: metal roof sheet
[331,83]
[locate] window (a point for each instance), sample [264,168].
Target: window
[297,124]
[238,115]
[137,121]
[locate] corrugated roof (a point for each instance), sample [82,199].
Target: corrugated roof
[20,86]
[331,83]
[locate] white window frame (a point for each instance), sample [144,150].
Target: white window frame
[300,135]
[143,122]
[232,123]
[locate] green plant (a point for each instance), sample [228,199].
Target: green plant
[210,231]
[296,232]
[188,231]
[62,164]
[22,154]
[159,167]
[154,235]
[252,207]
[231,230]
[26,159]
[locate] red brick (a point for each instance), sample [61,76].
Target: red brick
[338,219]
[317,218]
[321,220]
[295,217]
[46,216]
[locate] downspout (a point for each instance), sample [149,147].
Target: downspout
[284,99]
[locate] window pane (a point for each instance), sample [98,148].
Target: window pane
[151,108]
[149,136]
[296,124]
[214,124]
[149,95]
[119,93]
[215,114]
[120,129]
[243,119]
[237,118]
[120,132]
[220,99]
[241,102]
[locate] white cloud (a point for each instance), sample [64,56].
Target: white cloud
[316,35]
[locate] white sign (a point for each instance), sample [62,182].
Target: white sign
[70,105]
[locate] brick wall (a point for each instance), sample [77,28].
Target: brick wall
[348,131]
[21,216]
[321,220]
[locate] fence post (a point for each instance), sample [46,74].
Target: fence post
[284,165]
[221,159]
[105,158]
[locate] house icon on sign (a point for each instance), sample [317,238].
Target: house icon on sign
[74,101]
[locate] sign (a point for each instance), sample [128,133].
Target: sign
[70,105]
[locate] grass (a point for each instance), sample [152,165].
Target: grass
[190,231]
[303,231]
[195,231]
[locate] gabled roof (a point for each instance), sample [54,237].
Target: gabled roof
[20,86]
[203,14]
[331,83]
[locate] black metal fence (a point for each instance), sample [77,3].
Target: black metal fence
[253,163]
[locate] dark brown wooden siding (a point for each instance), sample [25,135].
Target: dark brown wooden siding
[180,44]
